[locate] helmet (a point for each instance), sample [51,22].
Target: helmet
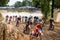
[38,25]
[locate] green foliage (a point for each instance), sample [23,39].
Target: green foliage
[36,3]
[18,4]
[26,3]
[3,2]
[29,3]
[45,7]
[57,3]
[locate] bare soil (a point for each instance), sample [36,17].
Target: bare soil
[16,33]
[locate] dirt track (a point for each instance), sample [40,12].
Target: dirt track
[48,35]
[19,35]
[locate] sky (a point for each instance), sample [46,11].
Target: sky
[11,2]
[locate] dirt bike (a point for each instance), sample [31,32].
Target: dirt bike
[51,28]
[39,36]
[17,24]
[26,30]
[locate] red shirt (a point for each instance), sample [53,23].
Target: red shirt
[36,27]
[10,16]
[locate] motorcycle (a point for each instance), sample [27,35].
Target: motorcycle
[26,30]
[39,36]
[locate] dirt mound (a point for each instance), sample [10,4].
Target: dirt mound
[2,30]
[15,33]
[1,18]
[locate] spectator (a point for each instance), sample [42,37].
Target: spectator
[7,18]
[25,19]
[18,21]
[10,19]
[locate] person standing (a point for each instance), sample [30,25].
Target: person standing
[7,18]
[13,18]
[10,19]
[18,21]
[16,18]
[25,19]
[20,18]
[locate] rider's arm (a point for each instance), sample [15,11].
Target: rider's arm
[29,26]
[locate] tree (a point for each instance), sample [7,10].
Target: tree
[29,3]
[36,3]
[18,4]
[3,2]
[57,3]
[45,7]
[26,3]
